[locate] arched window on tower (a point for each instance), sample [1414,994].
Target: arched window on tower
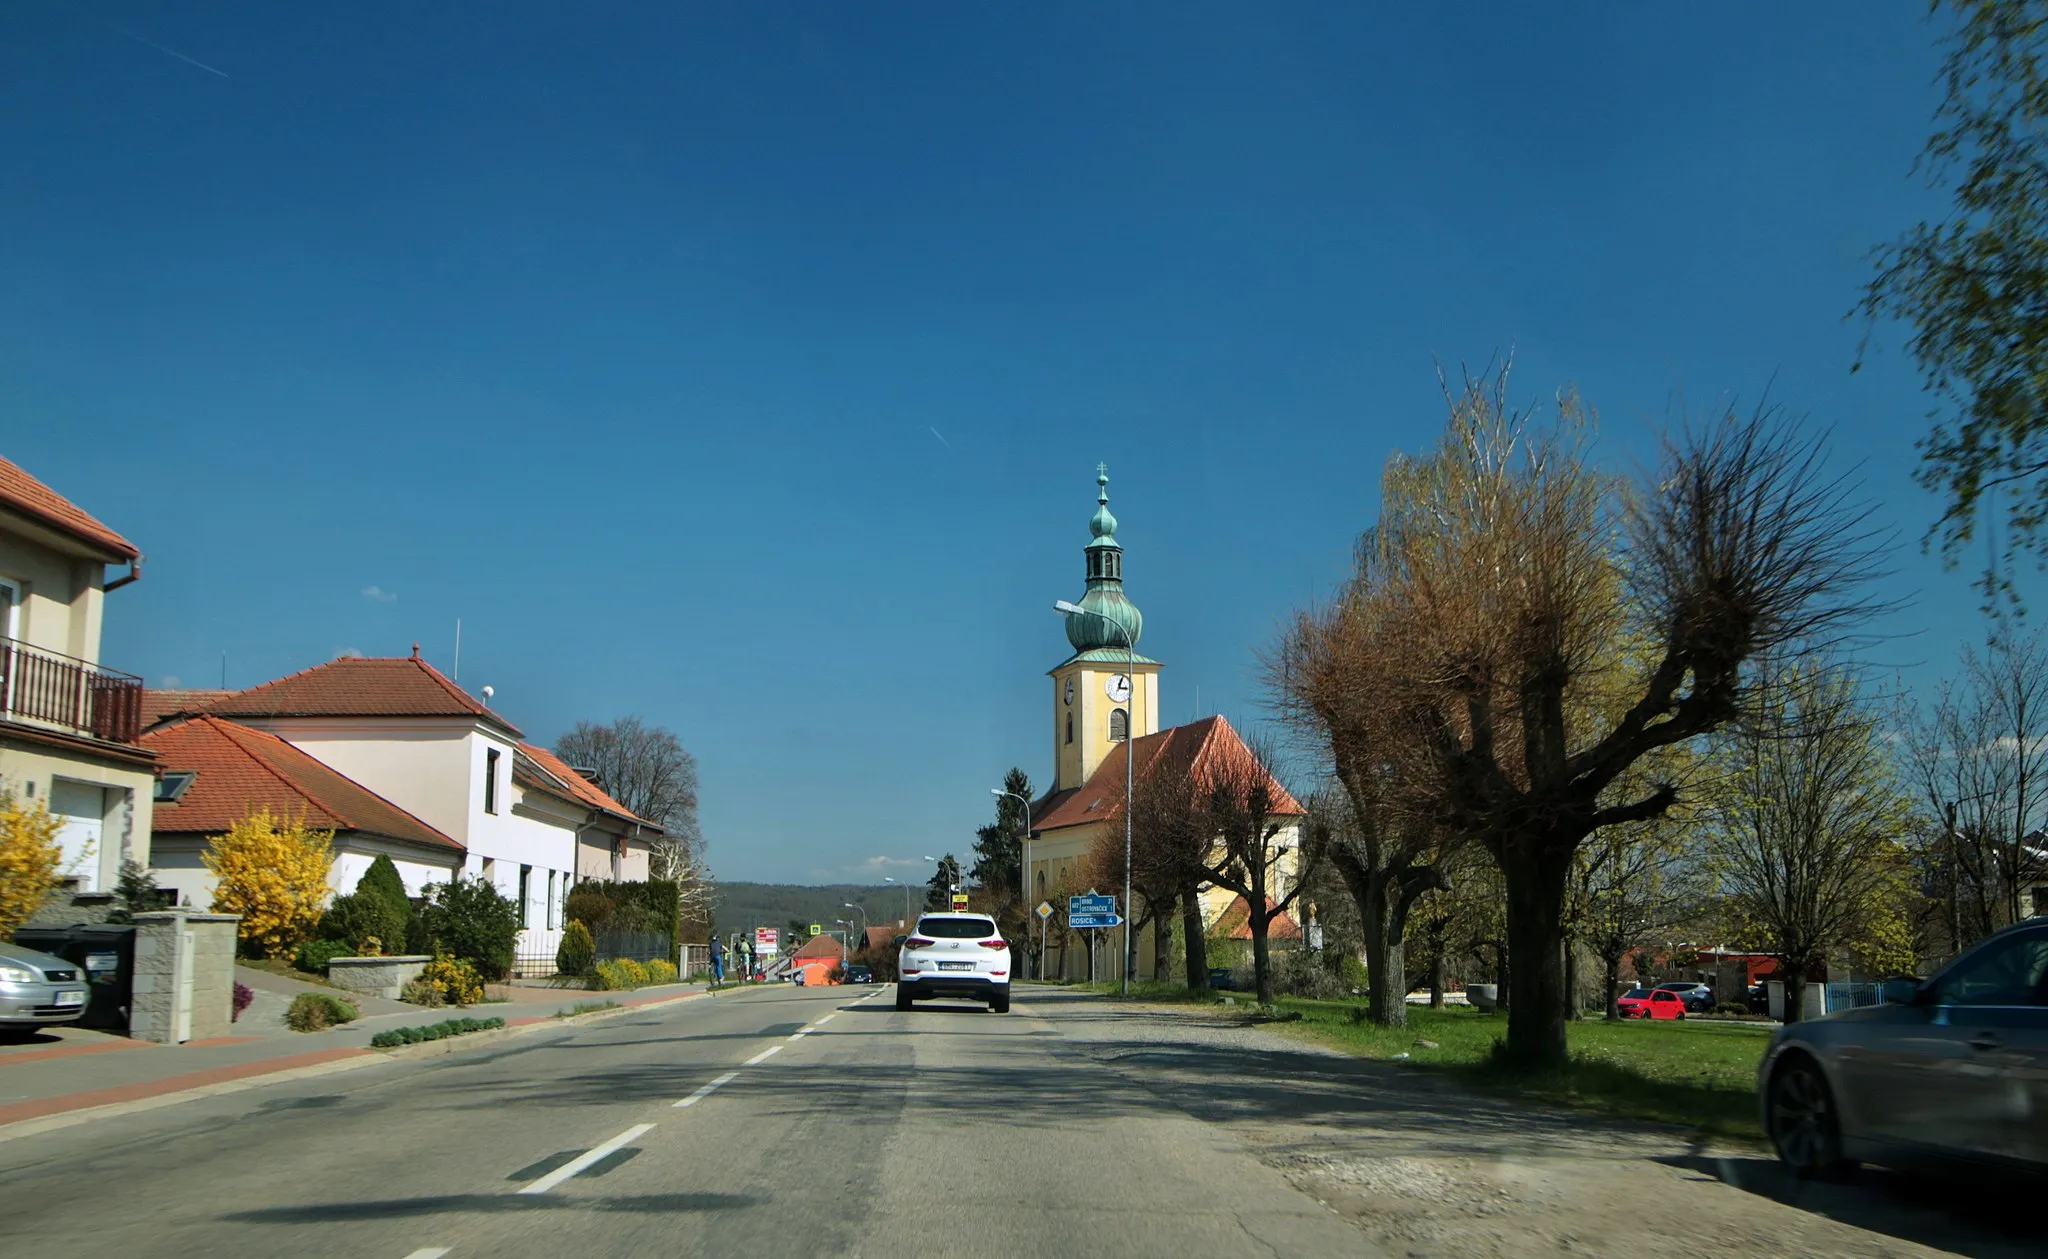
[1113,564]
[1119,725]
[1070,727]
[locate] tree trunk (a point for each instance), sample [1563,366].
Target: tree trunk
[1613,1001]
[1196,944]
[1162,942]
[1436,979]
[1385,980]
[1795,994]
[1572,1008]
[1535,881]
[1262,960]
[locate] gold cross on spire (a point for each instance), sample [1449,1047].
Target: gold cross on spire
[1102,469]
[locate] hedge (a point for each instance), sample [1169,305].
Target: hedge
[432,1031]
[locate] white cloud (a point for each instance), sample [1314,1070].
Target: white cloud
[377,594]
[169,682]
[348,653]
[880,865]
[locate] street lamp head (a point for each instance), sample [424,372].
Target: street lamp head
[997,791]
[888,879]
[1067,607]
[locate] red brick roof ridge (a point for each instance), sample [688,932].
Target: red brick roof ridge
[586,791]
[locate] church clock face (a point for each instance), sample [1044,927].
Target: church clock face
[1070,690]
[1118,689]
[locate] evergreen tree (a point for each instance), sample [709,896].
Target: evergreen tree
[939,891]
[999,846]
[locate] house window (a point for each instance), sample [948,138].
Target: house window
[1119,725]
[1070,727]
[490,780]
[171,788]
[548,920]
[525,888]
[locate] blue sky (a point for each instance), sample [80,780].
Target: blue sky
[746,367]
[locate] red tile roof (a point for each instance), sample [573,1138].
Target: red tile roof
[159,705]
[238,770]
[1189,750]
[1235,922]
[884,936]
[23,493]
[361,686]
[823,947]
[561,779]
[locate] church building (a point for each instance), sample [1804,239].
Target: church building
[1105,717]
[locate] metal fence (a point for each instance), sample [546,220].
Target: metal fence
[1850,996]
[637,946]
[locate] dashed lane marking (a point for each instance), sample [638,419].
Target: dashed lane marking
[763,1056]
[571,1168]
[428,1252]
[707,1090]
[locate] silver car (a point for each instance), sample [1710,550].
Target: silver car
[1955,1067]
[38,990]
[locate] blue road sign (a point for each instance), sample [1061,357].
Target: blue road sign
[1094,920]
[1091,904]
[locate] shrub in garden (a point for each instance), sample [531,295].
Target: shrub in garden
[577,952]
[313,956]
[273,872]
[29,853]
[455,979]
[662,972]
[312,1011]
[432,1031]
[362,917]
[244,994]
[620,973]
[419,990]
[383,879]
[473,921]
[1736,1008]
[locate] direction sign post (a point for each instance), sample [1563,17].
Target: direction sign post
[1090,904]
[1084,921]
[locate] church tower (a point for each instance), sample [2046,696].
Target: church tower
[1105,692]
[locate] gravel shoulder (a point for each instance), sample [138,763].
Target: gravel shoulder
[1425,1169]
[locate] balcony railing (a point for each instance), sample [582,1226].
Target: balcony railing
[45,688]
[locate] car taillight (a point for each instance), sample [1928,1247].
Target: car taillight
[918,942]
[995,944]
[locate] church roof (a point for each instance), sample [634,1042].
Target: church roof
[1188,750]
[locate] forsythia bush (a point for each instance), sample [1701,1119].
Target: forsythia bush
[273,872]
[29,854]
[620,974]
[662,972]
[455,979]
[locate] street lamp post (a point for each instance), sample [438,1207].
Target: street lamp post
[1024,877]
[1065,608]
[863,921]
[906,900]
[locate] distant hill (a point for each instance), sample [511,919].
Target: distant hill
[746,905]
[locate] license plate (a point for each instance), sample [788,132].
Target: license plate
[956,965]
[71,996]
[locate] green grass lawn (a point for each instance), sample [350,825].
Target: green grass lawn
[1698,1074]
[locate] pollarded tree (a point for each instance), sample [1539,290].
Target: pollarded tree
[1519,579]
[1170,844]
[1809,824]
[1248,814]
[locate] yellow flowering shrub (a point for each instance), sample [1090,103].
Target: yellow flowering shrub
[273,872]
[29,854]
[455,979]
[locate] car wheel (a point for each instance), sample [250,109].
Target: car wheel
[902,997]
[1000,1003]
[1805,1128]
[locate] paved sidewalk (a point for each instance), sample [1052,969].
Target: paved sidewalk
[68,1069]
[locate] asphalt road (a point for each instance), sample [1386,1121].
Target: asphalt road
[770,1123]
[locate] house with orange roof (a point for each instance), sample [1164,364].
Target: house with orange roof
[1105,711]
[406,733]
[217,772]
[612,842]
[68,723]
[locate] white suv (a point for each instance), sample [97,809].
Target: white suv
[955,955]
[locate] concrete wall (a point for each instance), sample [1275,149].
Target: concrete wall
[177,864]
[184,976]
[421,764]
[376,976]
[60,596]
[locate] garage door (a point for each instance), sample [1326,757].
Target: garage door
[81,812]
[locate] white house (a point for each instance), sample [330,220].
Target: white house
[398,727]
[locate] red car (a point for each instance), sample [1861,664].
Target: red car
[1661,1004]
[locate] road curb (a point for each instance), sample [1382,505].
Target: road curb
[345,1059]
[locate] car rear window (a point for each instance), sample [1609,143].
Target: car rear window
[955,928]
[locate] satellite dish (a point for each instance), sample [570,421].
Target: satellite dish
[488,692]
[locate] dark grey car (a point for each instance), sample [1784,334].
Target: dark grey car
[38,990]
[1955,1067]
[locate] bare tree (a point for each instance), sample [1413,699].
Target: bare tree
[1808,825]
[1327,677]
[646,769]
[1627,890]
[1248,814]
[1548,627]
[1169,843]
[1980,765]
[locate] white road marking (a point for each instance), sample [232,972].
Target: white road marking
[828,1018]
[767,1053]
[707,1090]
[583,1161]
[429,1252]
[805,1032]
